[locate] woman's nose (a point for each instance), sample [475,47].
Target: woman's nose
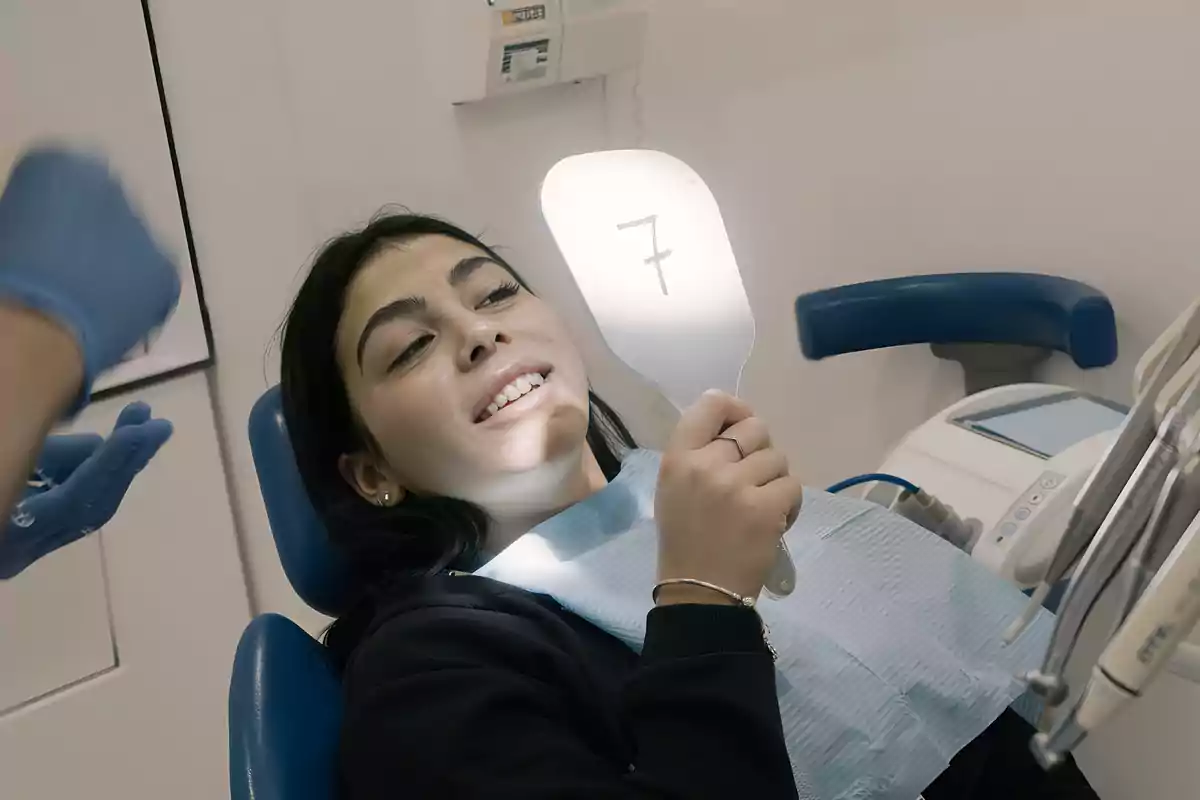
[480,344]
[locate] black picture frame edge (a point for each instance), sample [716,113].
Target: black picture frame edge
[164,108]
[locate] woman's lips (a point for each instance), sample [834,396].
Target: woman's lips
[515,392]
[522,403]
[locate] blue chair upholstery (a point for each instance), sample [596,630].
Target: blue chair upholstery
[985,307]
[285,700]
[317,570]
[285,710]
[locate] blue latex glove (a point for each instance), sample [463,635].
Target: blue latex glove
[71,247]
[83,479]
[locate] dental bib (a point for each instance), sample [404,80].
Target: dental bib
[890,654]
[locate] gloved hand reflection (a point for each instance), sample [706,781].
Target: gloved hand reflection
[81,480]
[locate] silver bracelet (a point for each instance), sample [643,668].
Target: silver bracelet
[745,602]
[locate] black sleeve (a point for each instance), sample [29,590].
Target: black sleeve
[999,766]
[456,702]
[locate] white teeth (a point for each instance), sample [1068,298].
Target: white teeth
[514,391]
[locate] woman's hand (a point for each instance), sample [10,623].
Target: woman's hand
[720,516]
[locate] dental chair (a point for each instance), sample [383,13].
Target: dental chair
[285,701]
[285,697]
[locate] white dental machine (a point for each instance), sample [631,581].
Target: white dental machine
[1010,462]
[1048,486]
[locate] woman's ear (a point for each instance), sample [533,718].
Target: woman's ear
[373,482]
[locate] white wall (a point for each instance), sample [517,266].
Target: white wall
[846,141]
[850,142]
[155,726]
[164,577]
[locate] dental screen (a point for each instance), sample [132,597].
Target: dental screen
[1051,428]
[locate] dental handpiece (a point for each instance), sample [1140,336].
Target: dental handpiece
[1112,544]
[1139,651]
[1178,504]
[1162,366]
[1175,445]
[1095,500]
[1092,508]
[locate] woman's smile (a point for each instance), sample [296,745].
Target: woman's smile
[510,395]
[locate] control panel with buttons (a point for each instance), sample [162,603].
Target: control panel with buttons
[1010,548]
[1020,511]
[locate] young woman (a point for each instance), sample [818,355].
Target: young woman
[438,410]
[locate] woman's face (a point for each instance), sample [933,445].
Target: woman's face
[470,385]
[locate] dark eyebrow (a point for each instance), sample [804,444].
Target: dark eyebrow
[412,306]
[397,309]
[467,267]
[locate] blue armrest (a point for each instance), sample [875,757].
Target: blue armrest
[285,712]
[987,307]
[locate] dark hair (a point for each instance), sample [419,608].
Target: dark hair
[423,534]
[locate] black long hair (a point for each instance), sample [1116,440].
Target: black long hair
[423,534]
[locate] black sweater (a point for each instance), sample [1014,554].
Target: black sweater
[462,687]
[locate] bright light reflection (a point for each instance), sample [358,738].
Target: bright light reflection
[643,236]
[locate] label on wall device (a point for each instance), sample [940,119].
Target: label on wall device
[526,61]
[517,16]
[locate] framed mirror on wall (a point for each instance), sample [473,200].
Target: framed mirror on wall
[56,93]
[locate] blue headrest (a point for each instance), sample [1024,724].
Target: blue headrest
[974,307]
[317,570]
[285,711]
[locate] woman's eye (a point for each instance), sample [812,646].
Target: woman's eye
[501,293]
[411,352]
